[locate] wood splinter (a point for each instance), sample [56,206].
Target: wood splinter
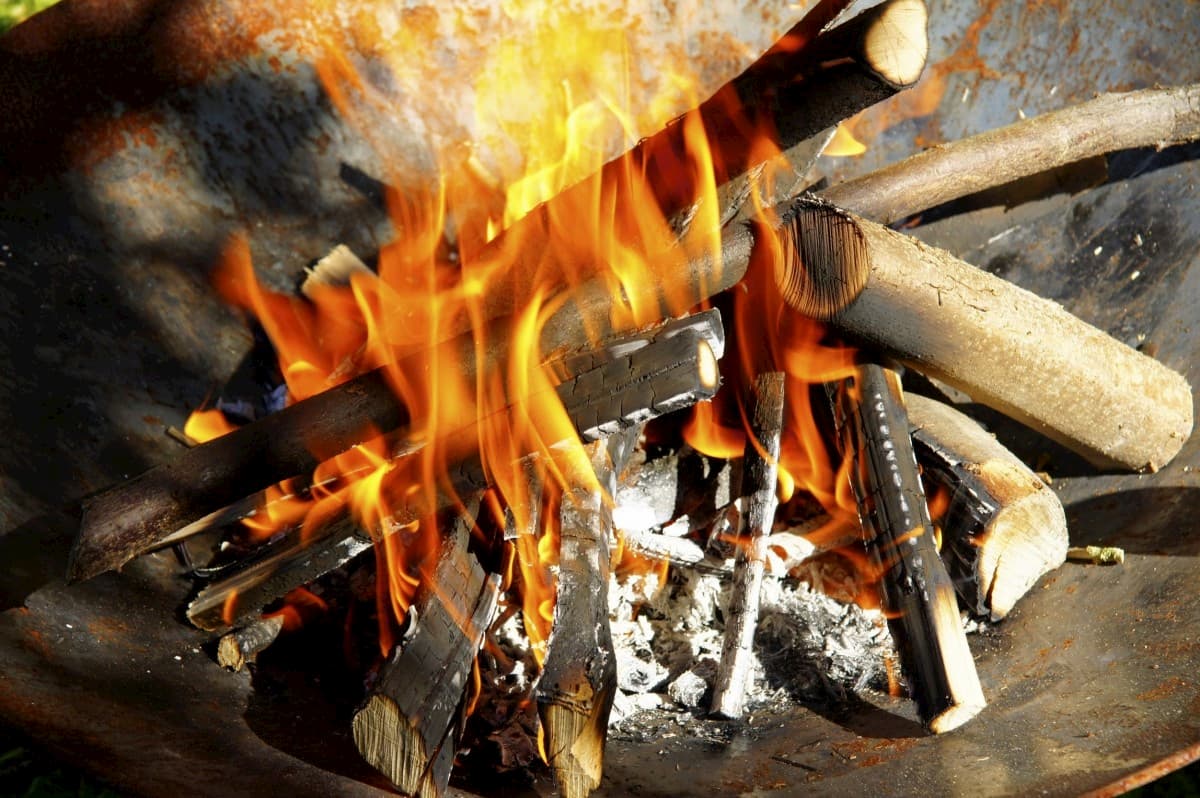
[1003,527]
[408,726]
[917,594]
[760,472]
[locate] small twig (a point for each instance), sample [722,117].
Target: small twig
[759,476]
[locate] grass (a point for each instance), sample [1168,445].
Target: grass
[13,11]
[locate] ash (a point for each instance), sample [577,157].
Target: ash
[810,647]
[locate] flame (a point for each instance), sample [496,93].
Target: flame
[203,426]
[843,143]
[482,260]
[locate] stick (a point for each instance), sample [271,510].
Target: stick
[1004,346]
[240,648]
[802,95]
[579,676]
[622,392]
[1111,122]
[1003,527]
[760,473]
[138,515]
[406,728]
[918,597]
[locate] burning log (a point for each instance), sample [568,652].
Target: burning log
[241,647]
[1003,528]
[917,594]
[407,727]
[673,370]
[1111,122]
[291,563]
[840,73]
[760,473]
[579,676]
[1005,347]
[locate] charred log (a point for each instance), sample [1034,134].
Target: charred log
[917,595]
[408,726]
[241,647]
[760,473]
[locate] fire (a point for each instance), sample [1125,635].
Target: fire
[456,312]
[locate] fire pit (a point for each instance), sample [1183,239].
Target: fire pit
[107,243]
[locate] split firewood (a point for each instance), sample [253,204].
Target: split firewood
[1002,345]
[785,550]
[622,392]
[1109,123]
[579,676]
[408,726]
[241,647]
[917,594]
[293,562]
[682,489]
[335,269]
[1003,527]
[760,473]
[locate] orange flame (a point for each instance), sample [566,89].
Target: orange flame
[461,260]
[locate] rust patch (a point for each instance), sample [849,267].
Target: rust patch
[1165,689]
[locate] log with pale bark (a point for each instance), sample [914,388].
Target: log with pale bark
[579,677]
[1002,345]
[660,375]
[760,474]
[1003,528]
[916,592]
[1157,117]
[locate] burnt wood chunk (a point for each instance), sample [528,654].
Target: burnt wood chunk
[579,676]
[1003,527]
[760,474]
[1002,345]
[241,647]
[916,592]
[408,725]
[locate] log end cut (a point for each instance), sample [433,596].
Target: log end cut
[385,739]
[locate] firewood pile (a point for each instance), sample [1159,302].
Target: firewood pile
[940,526]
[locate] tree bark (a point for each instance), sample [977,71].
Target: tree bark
[1111,122]
[1004,346]
[1003,527]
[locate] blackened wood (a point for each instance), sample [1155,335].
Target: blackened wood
[683,487]
[917,595]
[619,394]
[241,647]
[293,563]
[1109,123]
[799,99]
[760,474]
[1002,345]
[408,725]
[579,676]
[1003,527]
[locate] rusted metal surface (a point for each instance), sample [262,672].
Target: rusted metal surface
[1091,681]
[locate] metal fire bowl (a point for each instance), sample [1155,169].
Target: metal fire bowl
[136,135]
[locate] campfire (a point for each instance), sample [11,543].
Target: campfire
[593,445]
